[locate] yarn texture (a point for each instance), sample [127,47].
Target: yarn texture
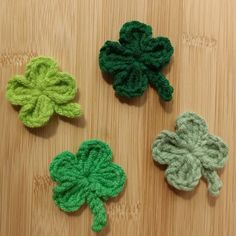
[89,177]
[137,60]
[43,91]
[190,152]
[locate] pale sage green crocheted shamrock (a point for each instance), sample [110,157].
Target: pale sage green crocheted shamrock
[43,91]
[89,177]
[190,152]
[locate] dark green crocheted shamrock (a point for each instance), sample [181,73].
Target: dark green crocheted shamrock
[89,177]
[137,60]
[191,152]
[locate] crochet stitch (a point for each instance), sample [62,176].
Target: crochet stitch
[42,91]
[190,153]
[136,60]
[88,177]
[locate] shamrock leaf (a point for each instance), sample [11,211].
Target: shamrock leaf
[43,91]
[88,177]
[190,153]
[137,60]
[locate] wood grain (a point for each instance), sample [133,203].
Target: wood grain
[202,71]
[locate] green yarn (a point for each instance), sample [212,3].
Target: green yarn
[42,91]
[190,153]
[137,60]
[89,177]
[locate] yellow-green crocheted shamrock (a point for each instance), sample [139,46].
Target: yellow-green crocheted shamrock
[190,153]
[42,91]
[89,177]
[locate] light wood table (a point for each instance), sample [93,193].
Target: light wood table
[203,73]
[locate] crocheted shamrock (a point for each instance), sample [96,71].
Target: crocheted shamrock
[42,91]
[190,153]
[136,60]
[88,177]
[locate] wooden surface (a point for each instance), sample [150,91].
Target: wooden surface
[202,71]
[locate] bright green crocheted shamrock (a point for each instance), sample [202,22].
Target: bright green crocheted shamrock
[137,60]
[88,177]
[42,91]
[190,153]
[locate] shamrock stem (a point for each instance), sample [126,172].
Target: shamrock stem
[99,213]
[162,86]
[70,110]
[214,182]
